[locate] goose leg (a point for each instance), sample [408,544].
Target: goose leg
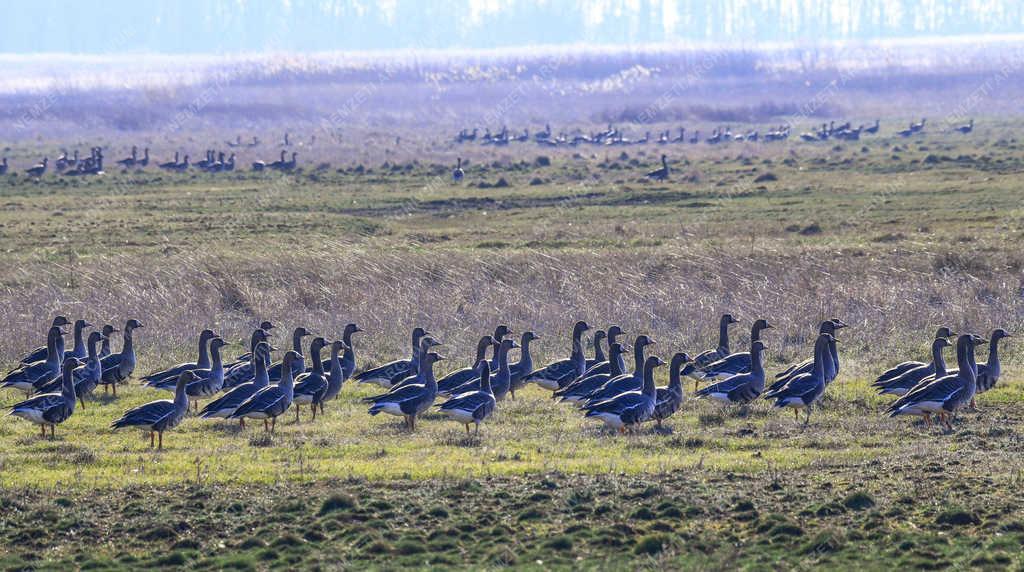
[273,424]
[266,426]
[152,439]
[297,407]
[241,423]
[53,429]
[314,411]
[160,440]
[81,400]
[42,429]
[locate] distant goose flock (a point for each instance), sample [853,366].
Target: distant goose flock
[254,387]
[216,161]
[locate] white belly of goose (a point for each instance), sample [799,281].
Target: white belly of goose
[461,415]
[391,408]
[33,415]
[611,420]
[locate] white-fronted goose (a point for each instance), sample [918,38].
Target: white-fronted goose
[51,408]
[457,176]
[28,377]
[270,402]
[502,376]
[310,387]
[945,395]
[560,373]
[988,372]
[86,376]
[170,375]
[803,390]
[40,353]
[904,382]
[741,388]
[627,381]
[901,368]
[831,367]
[578,390]
[707,357]
[521,368]
[298,363]
[161,415]
[411,399]
[738,362]
[631,408]
[210,381]
[472,406]
[228,403]
[117,368]
[662,173]
[670,398]
[446,384]
[39,169]
[383,374]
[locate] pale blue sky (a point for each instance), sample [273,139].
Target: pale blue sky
[219,26]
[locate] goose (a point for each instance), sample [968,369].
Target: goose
[144,161]
[967,128]
[86,376]
[39,169]
[518,370]
[51,408]
[499,334]
[107,331]
[741,388]
[738,362]
[578,390]
[119,367]
[705,358]
[807,366]
[560,373]
[901,368]
[36,374]
[446,384]
[169,376]
[229,165]
[631,408]
[161,415]
[170,165]
[62,161]
[988,372]
[210,381]
[130,160]
[426,342]
[917,127]
[411,399]
[906,132]
[225,405]
[184,165]
[279,163]
[270,402]
[599,357]
[243,369]
[803,390]
[501,382]
[382,375]
[695,138]
[336,373]
[472,406]
[904,382]
[311,386]
[3,166]
[660,174]
[602,365]
[670,398]
[626,381]
[78,350]
[298,364]
[874,128]
[40,353]
[946,394]
[457,176]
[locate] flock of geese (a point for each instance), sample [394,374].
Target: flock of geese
[602,387]
[613,136]
[214,162]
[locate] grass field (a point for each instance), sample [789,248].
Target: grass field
[894,236]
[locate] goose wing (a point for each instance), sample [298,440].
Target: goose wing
[42,403]
[935,390]
[38,354]
[805,387]
[730,386]
[398,395]
[230,400]
[263,400]
[904,381]
[729,365]
[556,371]
[897,370]
[456,378]
[172,372]
[796,369]
[469,401]
[384,372]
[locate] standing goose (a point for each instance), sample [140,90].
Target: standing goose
[457,176]
[501,382]
[86,377]
[298,364]
[578,390]
[382,375]
[225,405]
[741,388]
[4,166]
[627,381]
[807,366]
[107,332]
[446,384]
[310,387]
[521,368]
[336,373]
[170,164]
[898,369]
[118,367]
[472,406]
[411,399]
[803,390]
[161,415]
[273,400]
[660,174]
[946,394]
[41,352]
[988,372]
[904,382]
[499,334]
[631,408]
[51,408]
[599,356]
[705,358]
[348,361]
[560,373]
[426,342]
[738,362]
[260,334]
[28,377]
[670,398]
[210,381]
[39,169]
[170,376]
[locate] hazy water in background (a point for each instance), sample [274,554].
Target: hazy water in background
[218,26]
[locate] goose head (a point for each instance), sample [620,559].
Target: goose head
[940,343]
[206,335]
[427,342]
[301,332]
[266,326]
[614,332]
[184,378]
[838,324]
[216,344]
[132,324]
[431,358]
[598,336]
[337,346]
[998,334]
[728,319]
[579,328]
[501,331]
[351,329]
[527,337]
[95,338]
[507,344]
[760,325]
[108,330]
[61,321]
[679,360]
[642,341]
[944,332]
[417,334]
[262,350]
[317,344]
[81,325]
[290,357]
